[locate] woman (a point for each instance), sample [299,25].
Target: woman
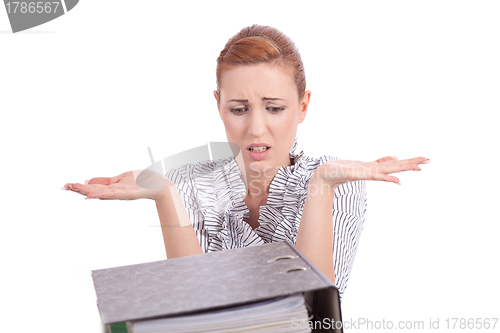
[204,207]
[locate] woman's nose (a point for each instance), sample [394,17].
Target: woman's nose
[257,124]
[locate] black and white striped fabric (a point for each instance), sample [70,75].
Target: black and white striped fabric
[213,192]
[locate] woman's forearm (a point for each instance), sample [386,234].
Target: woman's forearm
[315,235]
[178,233]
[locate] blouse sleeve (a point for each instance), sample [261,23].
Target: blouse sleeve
[349,208]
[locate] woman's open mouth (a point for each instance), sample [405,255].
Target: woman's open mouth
[258,151]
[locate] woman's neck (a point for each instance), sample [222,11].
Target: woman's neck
[258,181]
[258,186]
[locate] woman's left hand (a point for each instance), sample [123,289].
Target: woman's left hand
[338,172]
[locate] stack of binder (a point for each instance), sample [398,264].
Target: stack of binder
[252,289]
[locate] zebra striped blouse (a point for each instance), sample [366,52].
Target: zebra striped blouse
[213,192]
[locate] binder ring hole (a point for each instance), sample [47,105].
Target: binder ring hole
[294,269]
[284,257]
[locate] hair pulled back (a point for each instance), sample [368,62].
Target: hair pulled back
[262,44]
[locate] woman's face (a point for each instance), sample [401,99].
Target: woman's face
[260,108]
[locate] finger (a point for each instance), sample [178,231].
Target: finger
[79,188]
[387,159]
[419,160]
[105,180]
[84,189]
[415,160]
[402,165]
[397,167]
[103,187]
[74,188]
[100,180]
[69,186]
[388,178]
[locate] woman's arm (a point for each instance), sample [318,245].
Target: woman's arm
[178,233]
[315,235]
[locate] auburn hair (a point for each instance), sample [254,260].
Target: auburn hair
[262,44]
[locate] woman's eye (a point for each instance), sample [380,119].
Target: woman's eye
[276,109]
[238,111]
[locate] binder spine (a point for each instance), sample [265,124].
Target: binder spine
[324,304]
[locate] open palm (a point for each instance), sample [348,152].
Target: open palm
[122,187]
[337,172]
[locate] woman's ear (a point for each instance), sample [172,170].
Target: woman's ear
[304,105]
[216,95]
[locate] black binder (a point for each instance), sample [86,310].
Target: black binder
[214,281]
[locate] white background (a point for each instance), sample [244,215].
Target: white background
[86,94]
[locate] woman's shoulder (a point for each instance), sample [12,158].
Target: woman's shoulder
[209,168]
[311,163]
[307,162]
[209,185]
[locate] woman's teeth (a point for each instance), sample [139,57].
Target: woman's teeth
[259,149]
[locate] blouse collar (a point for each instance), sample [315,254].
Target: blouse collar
[295,152]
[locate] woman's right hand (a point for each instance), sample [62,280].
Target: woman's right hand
[123,187]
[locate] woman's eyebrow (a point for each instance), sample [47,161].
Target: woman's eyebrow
[263,98]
